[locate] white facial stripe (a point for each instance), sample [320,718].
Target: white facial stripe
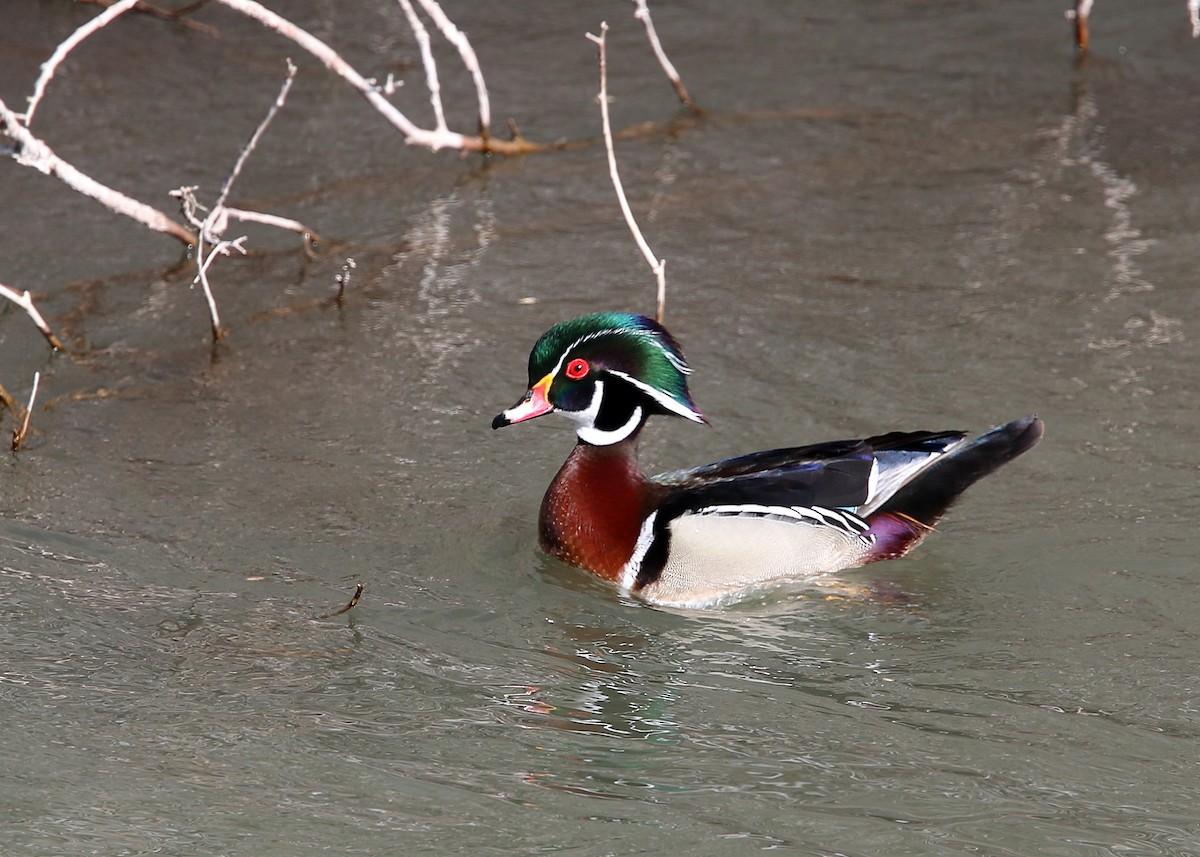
[646,334]
[666,401]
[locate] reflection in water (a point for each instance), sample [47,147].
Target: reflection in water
[1120,326]
[445,244]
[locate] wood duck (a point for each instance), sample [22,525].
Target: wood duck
[699,537]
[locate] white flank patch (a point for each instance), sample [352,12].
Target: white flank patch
[630,572]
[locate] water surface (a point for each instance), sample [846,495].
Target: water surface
[914,216]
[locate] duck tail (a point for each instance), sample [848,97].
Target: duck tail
[905,518]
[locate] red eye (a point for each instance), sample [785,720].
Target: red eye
[577,368]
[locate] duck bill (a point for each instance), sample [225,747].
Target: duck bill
[533,404]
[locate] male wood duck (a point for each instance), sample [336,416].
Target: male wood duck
[703,536]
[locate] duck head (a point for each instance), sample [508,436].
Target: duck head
[607,372]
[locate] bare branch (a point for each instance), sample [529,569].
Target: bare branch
[222,248]
[25,301]
[643,15]
[60,53]
[427,60]
[1080,14]
[458,38]
[18,435]
[9,402]
[658,266]
[32,152]
[1193,7]
[258,132]
[343,279]
[358,591]
[332,60]
[310,235]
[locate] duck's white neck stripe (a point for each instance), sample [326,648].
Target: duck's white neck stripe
[585,422]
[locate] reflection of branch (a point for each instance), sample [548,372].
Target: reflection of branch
[658,266]
[643,15]
[25,302]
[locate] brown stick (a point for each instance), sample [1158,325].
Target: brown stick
[1080,14]
[18,435]
[358,591]
[643,15]
[25,301]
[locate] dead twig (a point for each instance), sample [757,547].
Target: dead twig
[25,301]
[458,38]
[178,16]
[221,248]
[430,64]
[343,280]
[658,266]
[65,47]
[431,139]
[10,404]
[33,152]
[358,591]
[643,15]
[214,224]
[18,435]
[1079,15]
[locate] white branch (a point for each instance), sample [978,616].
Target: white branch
[268,220]
[17,438]
[332,60]
[25,301]
[254,138]
[1194,16]
[427,60]
[222,248]
[459,39]
[658,266]
[60,53]
[643,15]
[32,152]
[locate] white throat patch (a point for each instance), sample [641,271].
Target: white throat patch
[585,422]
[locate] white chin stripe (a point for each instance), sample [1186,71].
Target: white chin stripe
[585,422]
[596,437]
